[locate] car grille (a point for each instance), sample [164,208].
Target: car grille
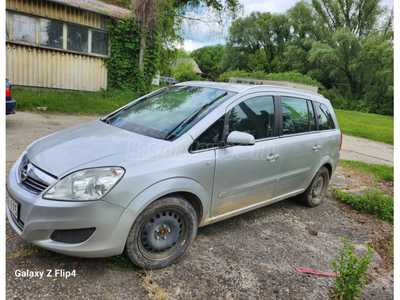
[32,178]
[33,185]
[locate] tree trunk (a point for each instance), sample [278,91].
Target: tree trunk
[141,52]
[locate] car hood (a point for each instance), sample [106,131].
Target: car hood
[94,144]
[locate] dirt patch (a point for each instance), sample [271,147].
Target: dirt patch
[366,181]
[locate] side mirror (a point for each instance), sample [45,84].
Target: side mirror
[240,138]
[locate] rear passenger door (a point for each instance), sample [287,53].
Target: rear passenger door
[301,145]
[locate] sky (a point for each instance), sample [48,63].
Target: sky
[210,33]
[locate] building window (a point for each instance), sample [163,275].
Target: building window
[51,33]
[7,37]
[24,29]
[77,38]
[55,34]
[99,42]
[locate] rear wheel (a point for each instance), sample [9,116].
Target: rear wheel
[162,233]
[316,191]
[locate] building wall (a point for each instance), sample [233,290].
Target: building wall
[35,66]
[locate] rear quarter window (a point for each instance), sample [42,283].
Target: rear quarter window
[324,117]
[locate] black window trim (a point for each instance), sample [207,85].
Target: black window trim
[316,107]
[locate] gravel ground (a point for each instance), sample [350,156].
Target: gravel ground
[251,256]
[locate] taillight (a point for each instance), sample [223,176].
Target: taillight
[8,92]
[341,140]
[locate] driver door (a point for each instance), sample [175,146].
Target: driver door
[246,176]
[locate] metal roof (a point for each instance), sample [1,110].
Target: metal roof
[96,6]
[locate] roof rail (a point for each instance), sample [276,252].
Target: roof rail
[256,81]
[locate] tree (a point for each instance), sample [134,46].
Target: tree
[259,31]
[183,71]
[351,31]
[359,17]
[209,59]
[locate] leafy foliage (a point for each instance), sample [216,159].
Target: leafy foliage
[373,203]
[184,71]
[209,59]
[123,66]
[347,46]
[225,76]
[351,270]
[260,32]
[286,76]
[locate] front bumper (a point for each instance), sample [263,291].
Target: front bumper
[39,218]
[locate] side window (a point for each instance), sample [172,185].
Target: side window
[311,116]
[99,42]
[77,38]
[51,33]
[325,120]
[295,115]
[254,116]
[24,29]
[209,138]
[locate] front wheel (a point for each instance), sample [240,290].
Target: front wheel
[316,191]
[162,233]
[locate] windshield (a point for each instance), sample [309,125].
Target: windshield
[170,113]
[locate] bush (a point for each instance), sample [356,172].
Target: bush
[373,203]
[286,76]
[350,272]
[224,77]
[183,71]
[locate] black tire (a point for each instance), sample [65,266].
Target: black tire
[316,191]
[162,233]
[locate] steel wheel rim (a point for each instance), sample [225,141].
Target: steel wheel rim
[319,187]
[163,234]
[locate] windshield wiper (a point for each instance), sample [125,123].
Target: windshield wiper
[193,115]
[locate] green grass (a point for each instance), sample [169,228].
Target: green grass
[72,102]
[370,126]
[380,172]
[373,202]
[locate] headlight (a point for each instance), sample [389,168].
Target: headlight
[90,184]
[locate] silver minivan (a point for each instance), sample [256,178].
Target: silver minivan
[145,177]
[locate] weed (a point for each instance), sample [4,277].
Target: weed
[121,263]
[373,203]
[380,172]
[350,272]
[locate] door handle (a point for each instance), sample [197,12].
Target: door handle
[272,157]
[316,147]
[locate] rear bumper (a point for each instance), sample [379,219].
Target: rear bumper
[10,106]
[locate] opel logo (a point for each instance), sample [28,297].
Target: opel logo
[24,173]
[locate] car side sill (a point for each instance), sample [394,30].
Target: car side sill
[249,208]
